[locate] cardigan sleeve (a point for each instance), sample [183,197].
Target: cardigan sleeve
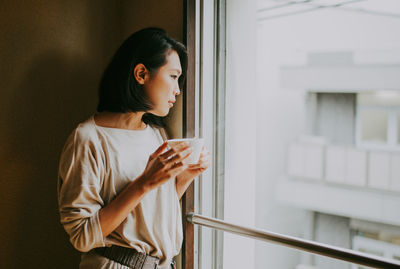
[79,184]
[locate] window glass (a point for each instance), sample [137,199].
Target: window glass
[294,71]
[374,125]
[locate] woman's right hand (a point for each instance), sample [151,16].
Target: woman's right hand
[163,166]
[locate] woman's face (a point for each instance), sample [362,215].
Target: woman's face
[162,87]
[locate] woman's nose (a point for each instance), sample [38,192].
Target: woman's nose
[177,91]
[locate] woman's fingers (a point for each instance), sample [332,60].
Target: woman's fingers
[167,154]
[179,148]
[165,165]
[204,161]
[177,168]
[180,156]
[204,153]
[201,166]
[194,166]
[204,157]
[160,149]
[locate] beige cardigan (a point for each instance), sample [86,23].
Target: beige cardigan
[95,165]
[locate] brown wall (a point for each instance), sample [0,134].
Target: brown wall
[52,54]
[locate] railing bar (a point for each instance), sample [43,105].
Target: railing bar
[297,243]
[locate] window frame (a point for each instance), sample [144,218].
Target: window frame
[209,190]
[189,120]
[205,87]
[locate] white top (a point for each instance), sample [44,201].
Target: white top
[96,164]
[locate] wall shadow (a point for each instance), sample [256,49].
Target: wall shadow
[55,95]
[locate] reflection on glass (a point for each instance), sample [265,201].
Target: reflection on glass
[374,126]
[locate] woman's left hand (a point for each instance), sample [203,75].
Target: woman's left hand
[193,170]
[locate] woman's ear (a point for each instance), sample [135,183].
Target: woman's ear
[140,73]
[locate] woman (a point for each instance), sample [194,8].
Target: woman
[119,186]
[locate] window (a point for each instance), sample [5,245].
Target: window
[377,120]
[374,125]
[273,73]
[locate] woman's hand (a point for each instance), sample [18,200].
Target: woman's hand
[193,170]
[163,166]
[184,179]
[160,168]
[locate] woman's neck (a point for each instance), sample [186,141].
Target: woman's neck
[129,120]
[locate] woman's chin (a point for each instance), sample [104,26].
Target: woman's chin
[161,113]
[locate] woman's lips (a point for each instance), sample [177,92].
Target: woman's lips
[171,103]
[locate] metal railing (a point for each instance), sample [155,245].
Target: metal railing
[297,243]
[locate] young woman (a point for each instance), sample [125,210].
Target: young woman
[119,186]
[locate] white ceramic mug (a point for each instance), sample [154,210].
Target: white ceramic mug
[195,143]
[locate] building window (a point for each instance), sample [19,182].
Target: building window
[374,125]
[378,121]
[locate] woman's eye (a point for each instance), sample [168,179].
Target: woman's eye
[173,76]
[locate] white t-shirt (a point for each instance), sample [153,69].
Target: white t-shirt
[96,164]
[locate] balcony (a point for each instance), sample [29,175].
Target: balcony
[342,180]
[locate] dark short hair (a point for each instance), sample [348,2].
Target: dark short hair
[119,91]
